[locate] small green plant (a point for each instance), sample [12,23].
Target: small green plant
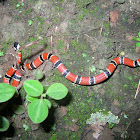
[26,127]
[92,69]
[39,106]
[84,55]
[18,5]
[137,39]
[6,93]
[30,22]
[1,53]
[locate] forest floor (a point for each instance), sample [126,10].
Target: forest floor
[86,35]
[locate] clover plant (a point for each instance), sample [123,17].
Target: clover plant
[39,106]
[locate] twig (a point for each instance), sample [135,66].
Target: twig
[126,130]
[138,89]
[35,42]
[85,134]
[100,32]
[51,45]
[95,39]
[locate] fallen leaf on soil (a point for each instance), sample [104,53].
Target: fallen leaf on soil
[97,128]
[103,6]
[116,103]
[73,128]
[129,37]
[75,120]
[47,22]
[114,16]
[63,110]
[102,92]
[137,49]
[122,53]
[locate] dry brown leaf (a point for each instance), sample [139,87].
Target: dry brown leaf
[116,103]
[137,49]
[73,128]
[63,110]
[114,16]
[129,37]
[98,129]
[102,92]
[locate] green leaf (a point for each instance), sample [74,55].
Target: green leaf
[57,91]
[92,69]
[6,92]
[26,127]
[33,88]
[18,109]
[4,124]
[138,44]
[18,5]
[138,39]
[53,127]
[44,95]
[22,4]
[1,53]
[48,103]
[38,111]
[38,74]
[84,55]
[139,34]
[125,116]
[111,125]
[30,22]
[134,38]
[30,98]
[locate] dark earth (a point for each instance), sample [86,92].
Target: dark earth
[86,35]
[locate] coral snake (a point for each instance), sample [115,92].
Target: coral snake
[17,72]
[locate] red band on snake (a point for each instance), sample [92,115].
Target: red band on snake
[66,73]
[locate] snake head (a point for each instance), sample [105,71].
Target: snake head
[16,46]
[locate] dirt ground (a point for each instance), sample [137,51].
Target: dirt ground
[86,35]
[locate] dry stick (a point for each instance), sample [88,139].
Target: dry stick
[138,89]
[35,42]
[85,134]
[51,45]
[95,39]
[100,32]
[126,130]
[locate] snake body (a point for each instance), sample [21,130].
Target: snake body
[64,71]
